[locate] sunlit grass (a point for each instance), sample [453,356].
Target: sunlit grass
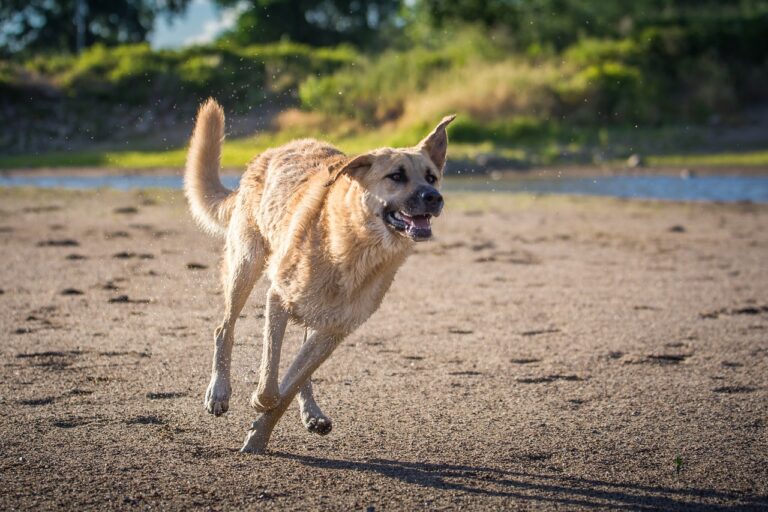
[238,152]
[486,92]
[726,159]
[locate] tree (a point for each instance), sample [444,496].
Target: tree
[314,22]
[35,25]
[559,23]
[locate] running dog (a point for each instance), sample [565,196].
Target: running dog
[329,230]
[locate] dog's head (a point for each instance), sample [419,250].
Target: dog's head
[402,186]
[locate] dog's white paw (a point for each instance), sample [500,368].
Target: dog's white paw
[317,423]
[217,396]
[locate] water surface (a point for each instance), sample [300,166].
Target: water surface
[701,188]
[672,188]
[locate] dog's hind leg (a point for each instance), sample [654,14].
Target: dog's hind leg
[267,393]
[311,355]
[243,263]
[312,416]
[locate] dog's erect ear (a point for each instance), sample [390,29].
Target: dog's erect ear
[436,143]
[357,164]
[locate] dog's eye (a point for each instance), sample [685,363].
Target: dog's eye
[398,176]
[431,179]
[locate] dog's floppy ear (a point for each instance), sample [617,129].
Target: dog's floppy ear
[355,165]
[436,143]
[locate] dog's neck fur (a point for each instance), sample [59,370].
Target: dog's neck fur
[360,242]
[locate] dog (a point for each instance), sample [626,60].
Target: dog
[329,230]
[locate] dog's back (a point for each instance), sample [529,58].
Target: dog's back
[279,179]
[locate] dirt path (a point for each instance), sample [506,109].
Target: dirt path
[542,353]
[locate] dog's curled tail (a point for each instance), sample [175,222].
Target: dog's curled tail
[211,202]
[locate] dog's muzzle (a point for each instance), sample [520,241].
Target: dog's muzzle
[415,218]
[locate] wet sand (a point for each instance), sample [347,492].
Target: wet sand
[541,353]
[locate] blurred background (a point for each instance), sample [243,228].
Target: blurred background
[535,82]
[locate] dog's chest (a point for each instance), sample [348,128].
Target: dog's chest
[333,299]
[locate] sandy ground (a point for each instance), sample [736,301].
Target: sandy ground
[541,353]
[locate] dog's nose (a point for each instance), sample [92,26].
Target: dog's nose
[431,197]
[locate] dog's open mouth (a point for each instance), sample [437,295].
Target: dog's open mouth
[418,227]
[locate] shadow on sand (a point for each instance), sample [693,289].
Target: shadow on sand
[540,488]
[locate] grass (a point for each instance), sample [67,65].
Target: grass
[678,465]
[726,159]
[522,139]
[236,152]
[487,92]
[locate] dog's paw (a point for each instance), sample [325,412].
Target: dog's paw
[258,435]
[263,401]
[217,396]
[317,424]
[253,448]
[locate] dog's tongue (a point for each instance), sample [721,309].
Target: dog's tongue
[417,221]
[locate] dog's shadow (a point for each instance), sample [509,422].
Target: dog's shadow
[542,488]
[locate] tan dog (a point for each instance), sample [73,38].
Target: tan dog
[331,231]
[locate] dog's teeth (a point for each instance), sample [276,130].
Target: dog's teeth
[397,215]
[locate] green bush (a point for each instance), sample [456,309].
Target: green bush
[135,74]
[658,74]
[513,131]
[128,73]
[706,88]
[8,75]
[200,70]
[286,65]
[661,74]
[609,91]
[374,90]
[49,64]
[589,52]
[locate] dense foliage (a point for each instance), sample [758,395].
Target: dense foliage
[363,23]
[664,73]
[514,70]
[135,74]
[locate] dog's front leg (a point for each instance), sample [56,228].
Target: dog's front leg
[267,393]
[313,352]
